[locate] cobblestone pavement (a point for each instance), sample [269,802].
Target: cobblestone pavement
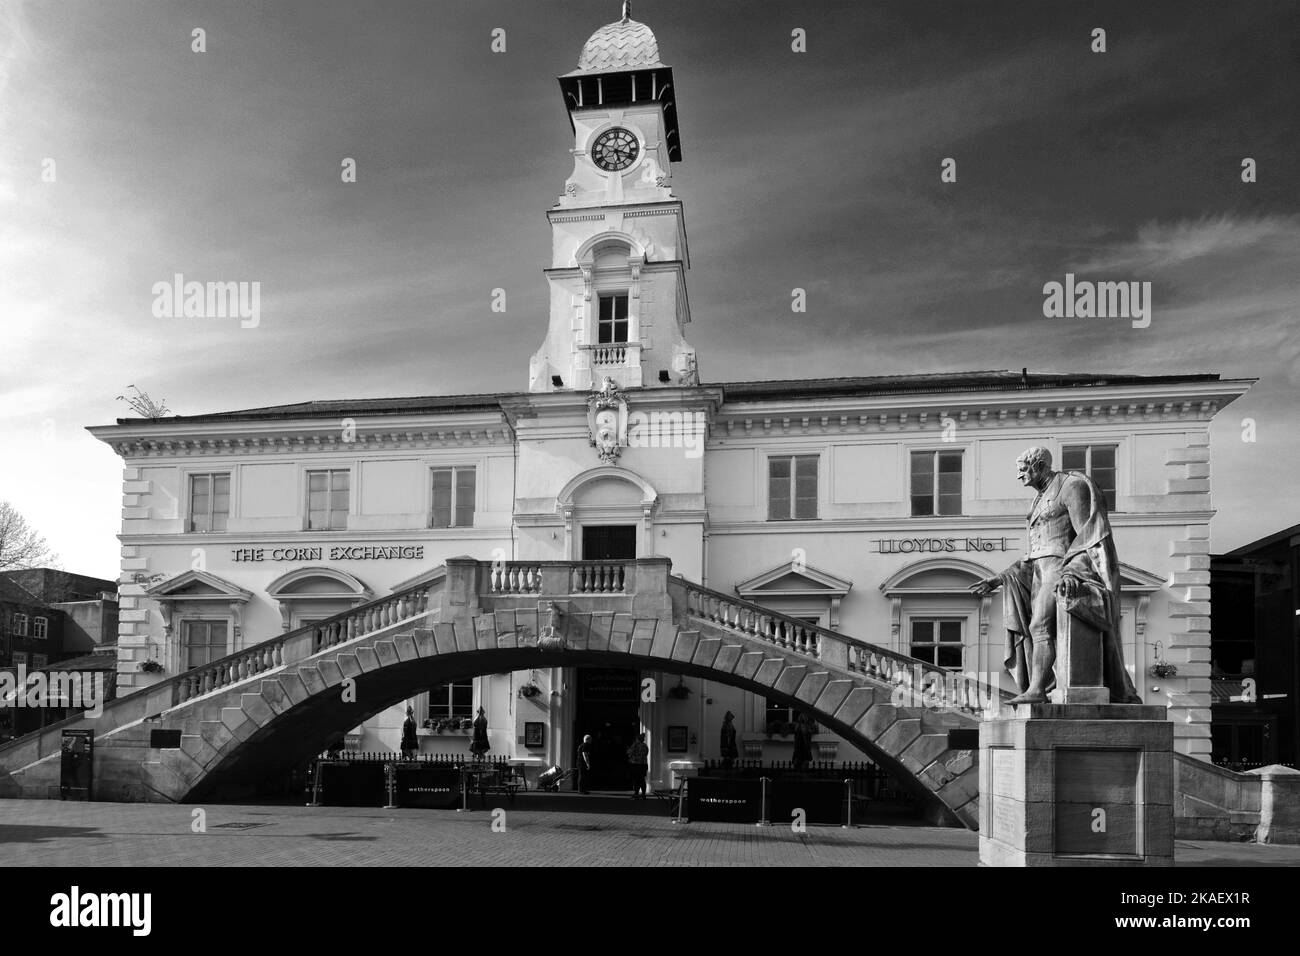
[52,833]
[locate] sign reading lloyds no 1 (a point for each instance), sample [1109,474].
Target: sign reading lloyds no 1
[413,552]
[933,545]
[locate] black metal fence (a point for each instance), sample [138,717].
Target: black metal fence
[1241,766]
[388,756]
[382,778]
[869,780]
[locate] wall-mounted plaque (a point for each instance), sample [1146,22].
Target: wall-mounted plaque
[534,734]
[677,737]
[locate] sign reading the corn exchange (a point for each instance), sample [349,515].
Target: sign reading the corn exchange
[935,545]
[410,552]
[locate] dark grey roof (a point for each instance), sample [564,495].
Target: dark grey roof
[991,381]
[1278,542]
[733,391]
[16,594]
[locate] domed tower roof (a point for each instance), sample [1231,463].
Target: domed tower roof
[622,45]
[620,66]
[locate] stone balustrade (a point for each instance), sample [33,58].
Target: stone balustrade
[299,644]
[922,682]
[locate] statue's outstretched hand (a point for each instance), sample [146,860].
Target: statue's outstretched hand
[986,586]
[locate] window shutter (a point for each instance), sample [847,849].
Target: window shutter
[464,497]
[442,498]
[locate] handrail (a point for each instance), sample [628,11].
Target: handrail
[277,651]
[288,647]
[870,660]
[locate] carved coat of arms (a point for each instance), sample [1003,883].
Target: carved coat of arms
[607,421]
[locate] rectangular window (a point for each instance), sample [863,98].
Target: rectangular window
[938,641]
[202,642]
[40,628]
[780,718]
[1095,461]
[612,327]
[20,625]
[209,502]
[20,657]
[453,498]
[327,500]
[792,487]
[448,701]
[936,483]
[39,660]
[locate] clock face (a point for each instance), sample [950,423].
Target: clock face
[615,149]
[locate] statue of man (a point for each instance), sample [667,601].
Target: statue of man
[1070,555]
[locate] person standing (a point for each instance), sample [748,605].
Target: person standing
[410,746]
[479,745]
[802,743]
[729,750]
[638,757]
[585,751]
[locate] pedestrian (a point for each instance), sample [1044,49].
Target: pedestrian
[638,756]
[410,746]
[729,751]
[802,743]
[479,745]
[585,751]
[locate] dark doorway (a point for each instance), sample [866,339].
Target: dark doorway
[607,542]
[608,710]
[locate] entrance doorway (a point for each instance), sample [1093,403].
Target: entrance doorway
[608,708]
[608,542]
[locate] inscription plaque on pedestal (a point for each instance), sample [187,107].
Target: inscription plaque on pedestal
[1098,811]
[1006,789]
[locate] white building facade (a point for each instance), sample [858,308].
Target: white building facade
[867,505]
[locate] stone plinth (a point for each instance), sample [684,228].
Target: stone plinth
[1078,659]
[1077,785]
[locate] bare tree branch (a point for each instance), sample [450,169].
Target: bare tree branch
[20,545]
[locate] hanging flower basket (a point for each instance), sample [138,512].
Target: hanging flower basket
[1162,669]
[529,690]
[151,667]
[679,692]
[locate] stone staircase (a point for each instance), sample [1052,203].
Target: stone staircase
[283,700]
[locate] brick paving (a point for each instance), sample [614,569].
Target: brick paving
[538,832]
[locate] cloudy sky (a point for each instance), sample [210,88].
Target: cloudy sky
[818,170]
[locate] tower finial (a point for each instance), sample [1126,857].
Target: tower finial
[627,10]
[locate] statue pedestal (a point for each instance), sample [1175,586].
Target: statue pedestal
[1077,785]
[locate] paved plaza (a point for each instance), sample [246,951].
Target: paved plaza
[564,831]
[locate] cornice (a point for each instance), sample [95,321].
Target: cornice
[1008,525]
[239,539]
[1164,401]
[1129,405]
[304,437]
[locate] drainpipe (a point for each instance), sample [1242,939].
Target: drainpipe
[704,560]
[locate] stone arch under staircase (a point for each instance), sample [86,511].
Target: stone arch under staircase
[281,700]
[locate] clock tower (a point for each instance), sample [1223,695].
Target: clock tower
[617,277]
